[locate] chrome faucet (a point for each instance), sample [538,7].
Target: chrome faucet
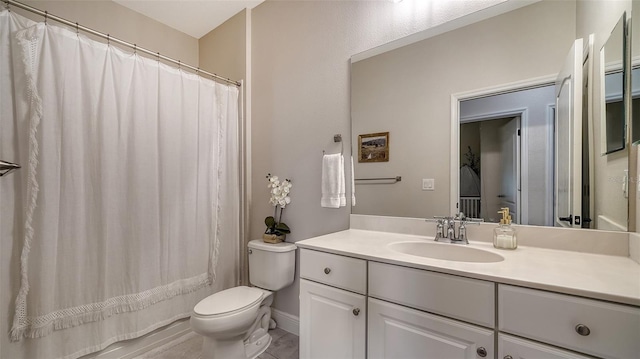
[446,228]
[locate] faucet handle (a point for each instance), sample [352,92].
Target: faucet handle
[440,224]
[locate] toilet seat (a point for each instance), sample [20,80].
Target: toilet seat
[228,301]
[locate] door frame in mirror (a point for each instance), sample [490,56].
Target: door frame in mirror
[456,98]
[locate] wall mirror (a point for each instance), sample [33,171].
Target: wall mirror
[408,92]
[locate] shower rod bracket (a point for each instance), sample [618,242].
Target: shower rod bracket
[7,167]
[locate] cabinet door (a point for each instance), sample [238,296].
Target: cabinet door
[514,348]
[397,332]
[332,322]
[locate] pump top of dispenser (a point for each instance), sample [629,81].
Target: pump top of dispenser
[506,217]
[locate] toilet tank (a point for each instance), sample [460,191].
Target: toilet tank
[271,266]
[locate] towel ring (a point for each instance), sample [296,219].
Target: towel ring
[337,138]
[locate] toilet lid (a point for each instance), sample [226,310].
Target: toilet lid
[229,300]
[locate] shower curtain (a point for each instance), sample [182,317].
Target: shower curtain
[129,184]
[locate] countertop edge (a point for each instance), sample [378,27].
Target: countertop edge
[610,297]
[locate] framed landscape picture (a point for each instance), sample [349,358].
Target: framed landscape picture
[373,147]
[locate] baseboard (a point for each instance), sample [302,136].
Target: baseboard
[285,321]
[129,349]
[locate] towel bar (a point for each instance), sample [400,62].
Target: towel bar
[394,179]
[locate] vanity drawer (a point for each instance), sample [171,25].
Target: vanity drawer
[613,329]
[335,270]
[456,297]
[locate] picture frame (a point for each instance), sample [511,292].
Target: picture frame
[373,147]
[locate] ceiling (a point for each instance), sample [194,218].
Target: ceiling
[193,17]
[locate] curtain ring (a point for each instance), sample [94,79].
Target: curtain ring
[108,40]
[135,49]
[77,29]
[6,6]
[46,15]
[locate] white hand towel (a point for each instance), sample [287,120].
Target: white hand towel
[333,181]
[343,185]
[353,185]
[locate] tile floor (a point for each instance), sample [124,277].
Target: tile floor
[284,345]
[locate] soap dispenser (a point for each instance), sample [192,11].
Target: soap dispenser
[504,236]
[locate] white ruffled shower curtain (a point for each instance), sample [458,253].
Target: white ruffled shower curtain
[129,184]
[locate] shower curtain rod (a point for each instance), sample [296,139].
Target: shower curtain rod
[118,41]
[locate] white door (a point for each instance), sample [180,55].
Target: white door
[510,168]
[332,322]
[516,348]
[397,332]
[568,140]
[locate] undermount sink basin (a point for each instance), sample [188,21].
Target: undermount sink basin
[449,252]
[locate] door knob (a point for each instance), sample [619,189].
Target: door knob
[356,311]
[482,352]
[327,270]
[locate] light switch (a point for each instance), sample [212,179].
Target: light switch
[428,184]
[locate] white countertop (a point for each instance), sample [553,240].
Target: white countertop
[611,278]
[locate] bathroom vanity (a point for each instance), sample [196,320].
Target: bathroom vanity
[362,298]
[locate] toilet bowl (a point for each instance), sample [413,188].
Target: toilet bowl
[235,321]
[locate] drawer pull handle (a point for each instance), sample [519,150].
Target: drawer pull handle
[508,357]
[356,311]
[482,352]
[327,270]
[583,330]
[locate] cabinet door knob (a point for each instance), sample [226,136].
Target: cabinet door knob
[583,330]
[356,311]
[482,352]
[327,270]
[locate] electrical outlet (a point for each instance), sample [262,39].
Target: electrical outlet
[428,184]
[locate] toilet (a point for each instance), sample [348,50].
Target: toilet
[235,321]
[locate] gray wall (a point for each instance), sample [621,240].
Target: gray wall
[300,75]
[120,22]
